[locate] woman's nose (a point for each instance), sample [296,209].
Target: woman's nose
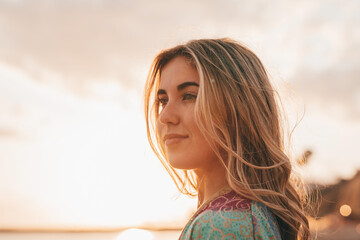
[169,114]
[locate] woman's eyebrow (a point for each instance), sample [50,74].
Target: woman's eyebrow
[180,87]
[186,84]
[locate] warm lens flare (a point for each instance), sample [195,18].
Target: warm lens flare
[358,229]
[345,210]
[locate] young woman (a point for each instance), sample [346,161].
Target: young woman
[214,122]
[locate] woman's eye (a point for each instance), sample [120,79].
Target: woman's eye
[162,101]
[188,96]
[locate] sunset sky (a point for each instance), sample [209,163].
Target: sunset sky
[73,147]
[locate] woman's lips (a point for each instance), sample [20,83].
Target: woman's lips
[170,139]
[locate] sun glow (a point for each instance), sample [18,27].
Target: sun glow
[135,234]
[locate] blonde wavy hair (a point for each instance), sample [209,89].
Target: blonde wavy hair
[237,110]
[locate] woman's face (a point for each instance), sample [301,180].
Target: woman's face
[185,145]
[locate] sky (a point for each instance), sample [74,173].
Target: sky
[73,147]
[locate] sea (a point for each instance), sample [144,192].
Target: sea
[130,234]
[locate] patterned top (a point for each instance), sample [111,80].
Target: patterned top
[231,217]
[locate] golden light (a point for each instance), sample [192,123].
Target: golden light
[345,210]
[135,234]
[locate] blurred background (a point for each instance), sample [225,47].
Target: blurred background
[74,157]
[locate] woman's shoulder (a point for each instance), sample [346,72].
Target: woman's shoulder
[232,216]
[264,222]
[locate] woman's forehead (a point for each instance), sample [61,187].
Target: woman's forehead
[177,71]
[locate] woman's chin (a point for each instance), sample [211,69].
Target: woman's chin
[181,165]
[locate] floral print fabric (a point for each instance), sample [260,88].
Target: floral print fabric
[232,217]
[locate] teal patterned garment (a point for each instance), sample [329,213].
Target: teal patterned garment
[229,217]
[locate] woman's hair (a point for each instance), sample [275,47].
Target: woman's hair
[237,110]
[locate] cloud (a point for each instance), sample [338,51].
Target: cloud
[329,89]
[329,70]
[88,41]
[7,133]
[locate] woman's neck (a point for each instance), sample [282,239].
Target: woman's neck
[210,183]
